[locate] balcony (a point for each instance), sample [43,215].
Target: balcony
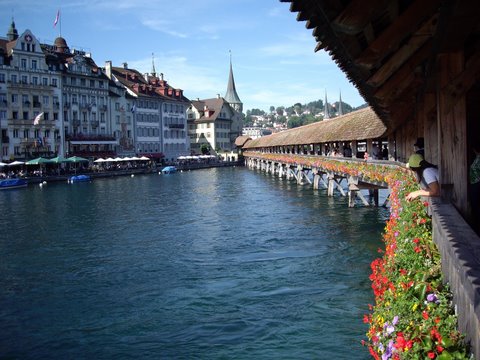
[76,122]
[26,104]
[84,106]
[102,107]
[94,123]
[176,126]
[36,104]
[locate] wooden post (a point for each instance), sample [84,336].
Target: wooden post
[331,183]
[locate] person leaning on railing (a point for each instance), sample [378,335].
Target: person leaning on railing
[427,176]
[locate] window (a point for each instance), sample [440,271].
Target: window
[117,106]
[82,82]
[25,99]
[55,116]
[35,80]
[36,133]
[46,100]
[23,63]
[92,83]
[100,84]
[13,78]
[3,114]
[45,81]
[14,98]
[2,77]
[34,64]
[74,99]
[54,82]
[117,119]
[15,133]
[25,115]
[46,116]
[47,133]
[102,117]
[73,81]
[24,79]
[26,133]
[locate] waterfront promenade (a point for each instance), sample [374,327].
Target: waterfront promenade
[150,168]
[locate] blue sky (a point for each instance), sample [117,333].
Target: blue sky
[273,56]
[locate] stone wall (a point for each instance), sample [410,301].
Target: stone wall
[460,252]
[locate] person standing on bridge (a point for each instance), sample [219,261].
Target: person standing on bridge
[427,176]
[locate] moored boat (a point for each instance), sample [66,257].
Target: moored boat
[169,170]
[79,178]
[12,184]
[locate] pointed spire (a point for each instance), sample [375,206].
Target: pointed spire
[326,114]
[231,96]
[340,106]
[154,73]
[12,33]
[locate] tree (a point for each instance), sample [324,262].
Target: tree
[272,109]
[205,149]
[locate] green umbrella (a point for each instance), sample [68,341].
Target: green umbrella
[38,161]
[59,159]
[75,159]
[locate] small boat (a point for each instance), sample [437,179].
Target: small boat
[169,170]
[12,184]
[79,178]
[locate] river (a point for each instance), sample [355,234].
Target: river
[210,264]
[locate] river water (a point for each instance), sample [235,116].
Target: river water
[210,264]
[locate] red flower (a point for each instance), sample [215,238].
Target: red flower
[416,240]
[418,249]
[422,221]
[431,355]
[439,349]
[425,315]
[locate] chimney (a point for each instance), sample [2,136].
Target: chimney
[108,69]
[125,65]
[218,96]
[161,76]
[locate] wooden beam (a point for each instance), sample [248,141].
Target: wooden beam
[405,75]
[457,88]
[404,53]
[389,40]
[357,15]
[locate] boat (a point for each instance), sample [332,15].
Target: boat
[12,184]
[169,170]
[79,178]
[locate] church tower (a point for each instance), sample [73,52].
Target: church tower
[326,113]
[12,33]
[231,96]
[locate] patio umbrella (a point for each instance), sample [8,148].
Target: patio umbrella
[76,159]
[100,160]
[15,163]
[109,159]
[144,158]
[2,164]
[59,159]
[38,161]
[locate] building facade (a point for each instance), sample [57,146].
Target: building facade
[30,97]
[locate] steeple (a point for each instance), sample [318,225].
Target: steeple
[340,106]
[231,96]
[326,114]
[154,73]
[12,33]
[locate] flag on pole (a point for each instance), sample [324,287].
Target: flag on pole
[56,18]
[38,118]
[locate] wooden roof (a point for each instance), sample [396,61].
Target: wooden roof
[388,48]
[358,125]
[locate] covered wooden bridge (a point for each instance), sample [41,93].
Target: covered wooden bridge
[417,64]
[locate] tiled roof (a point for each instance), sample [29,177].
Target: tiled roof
[358,125]
[242,140]
[214,105]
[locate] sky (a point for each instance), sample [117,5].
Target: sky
[192,41]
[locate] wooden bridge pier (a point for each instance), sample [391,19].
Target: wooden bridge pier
[331,181]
